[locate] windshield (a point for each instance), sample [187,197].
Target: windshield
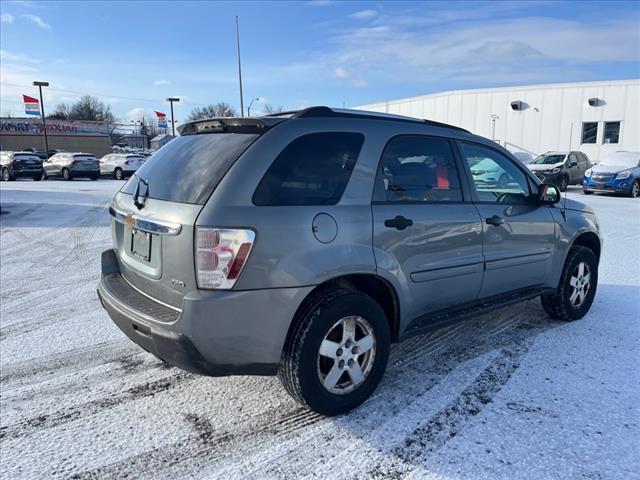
[548,159]
[627,161]
[189,168]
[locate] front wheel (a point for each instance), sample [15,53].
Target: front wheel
[564,183]
[6,175]
[635,189]
[336,352]
[577,289]
[587,192]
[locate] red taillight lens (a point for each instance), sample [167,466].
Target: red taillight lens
[221,254]
[75,162]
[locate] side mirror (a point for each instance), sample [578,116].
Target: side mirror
[548,194]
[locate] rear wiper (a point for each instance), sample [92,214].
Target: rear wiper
[140,205]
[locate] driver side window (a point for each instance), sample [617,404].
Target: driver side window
[495,177]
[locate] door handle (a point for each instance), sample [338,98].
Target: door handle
[495,221]
[399,223]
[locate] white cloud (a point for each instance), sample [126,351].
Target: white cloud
[16,57]
[7,18]
[355,79]
[161,82]
[37,20]
[364,14]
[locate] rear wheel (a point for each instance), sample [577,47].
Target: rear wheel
[118,174]
[66,174]
[95,177]
[336,352]
[577,289]
[43,176]
[635,189]
[37,178]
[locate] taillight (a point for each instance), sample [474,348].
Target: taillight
[75,162]
[14,162]
[126,162]
[221,254]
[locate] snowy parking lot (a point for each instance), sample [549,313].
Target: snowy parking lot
[509,395]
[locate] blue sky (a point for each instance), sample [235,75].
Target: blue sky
[295,54]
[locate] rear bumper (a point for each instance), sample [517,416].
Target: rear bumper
[84,172]
[215,333]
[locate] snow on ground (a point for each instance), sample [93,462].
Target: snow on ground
[506,396]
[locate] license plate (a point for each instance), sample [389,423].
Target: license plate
[141,245]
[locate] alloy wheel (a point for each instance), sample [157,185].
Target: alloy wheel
[635,189]
[580,282]
[346,355]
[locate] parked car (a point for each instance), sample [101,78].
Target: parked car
[120,165]
[40,152]
[304,244]
[561,168]
[617,173]
[72,165]
[20,164]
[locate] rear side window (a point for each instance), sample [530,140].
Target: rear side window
[418,169]
[189,168]
[312,170]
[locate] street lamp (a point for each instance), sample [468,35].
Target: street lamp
[257,99]
[44,122]
[173,124]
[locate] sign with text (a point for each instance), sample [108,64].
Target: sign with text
[31,126]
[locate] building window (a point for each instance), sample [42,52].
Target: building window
[589,132]
[611,132]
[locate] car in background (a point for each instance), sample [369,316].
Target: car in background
[20,164]
[617,173]
[40,152]
[561,168]
[69,165]
[120,165]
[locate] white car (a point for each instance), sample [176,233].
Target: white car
[120,165]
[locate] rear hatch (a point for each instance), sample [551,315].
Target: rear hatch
[155,239]
[85,162]
[26,162]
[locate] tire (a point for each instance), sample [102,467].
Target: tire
[503,181]
[302,366]
[95,177]
[635,189]
[66,174]
[564,183]
[43,176]
[561,304]
[118,174]
[6,175]
[37,178]
[587,192]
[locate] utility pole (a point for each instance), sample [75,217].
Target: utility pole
[173,123]
[494,117]
[44,122]
[239,67]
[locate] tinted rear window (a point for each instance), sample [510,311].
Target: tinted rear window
[188,168]
[312,170]
[29,156]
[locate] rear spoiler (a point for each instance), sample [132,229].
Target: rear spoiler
[229,125]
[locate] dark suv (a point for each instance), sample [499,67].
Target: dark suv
[20,165]
[561,168]
[303,244]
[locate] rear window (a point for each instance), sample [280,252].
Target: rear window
[23,156]
[312,170]
[188,168]
[84,157]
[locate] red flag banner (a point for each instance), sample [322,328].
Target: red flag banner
[162,119]
[31,105]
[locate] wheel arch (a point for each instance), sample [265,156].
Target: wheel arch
[591,241]
[379,289]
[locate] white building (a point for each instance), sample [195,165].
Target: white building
[596,118]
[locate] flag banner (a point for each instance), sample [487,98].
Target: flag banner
[31,105]
[162,119]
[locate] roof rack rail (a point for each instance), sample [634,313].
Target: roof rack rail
[321,111]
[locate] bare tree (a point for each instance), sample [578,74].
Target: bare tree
[87,108]
[270,109]
[220,109]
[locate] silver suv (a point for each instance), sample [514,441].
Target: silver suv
[303,244]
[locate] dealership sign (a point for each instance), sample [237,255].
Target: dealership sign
[28,126]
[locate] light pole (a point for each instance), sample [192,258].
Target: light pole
[257,99]
[44,122]
[494,117]
[173,124]
[239,67]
